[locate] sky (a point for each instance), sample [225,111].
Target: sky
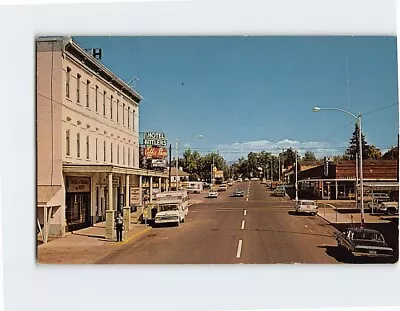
[241,93]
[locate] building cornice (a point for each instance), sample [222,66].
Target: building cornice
[72,48]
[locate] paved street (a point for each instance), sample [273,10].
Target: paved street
[255,229]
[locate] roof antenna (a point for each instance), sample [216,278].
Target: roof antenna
[132,82]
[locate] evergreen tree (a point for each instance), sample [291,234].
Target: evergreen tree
[354,145]
[309,156]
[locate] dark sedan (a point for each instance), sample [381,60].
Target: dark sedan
[364,243]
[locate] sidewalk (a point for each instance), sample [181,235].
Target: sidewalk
[333,216]
[85,246]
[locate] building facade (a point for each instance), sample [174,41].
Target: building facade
[87,139]
[338,180]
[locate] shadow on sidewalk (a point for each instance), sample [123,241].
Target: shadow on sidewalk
[89,235]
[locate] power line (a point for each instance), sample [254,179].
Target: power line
[379,109]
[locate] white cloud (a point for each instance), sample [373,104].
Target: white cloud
[236,150]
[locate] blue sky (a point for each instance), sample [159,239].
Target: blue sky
[254,93]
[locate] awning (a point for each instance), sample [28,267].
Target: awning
[45,194]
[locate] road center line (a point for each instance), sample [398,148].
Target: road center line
[242,225]
[245,212]
[247,199]
[239,250]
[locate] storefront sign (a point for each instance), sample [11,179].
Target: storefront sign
[154,139]
[135,195]
[155,153]
[115,181]
[78,184]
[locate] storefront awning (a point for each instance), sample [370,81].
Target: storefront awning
[45,194]
[74,168]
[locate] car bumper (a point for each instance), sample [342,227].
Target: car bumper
[163,221]
[359,254]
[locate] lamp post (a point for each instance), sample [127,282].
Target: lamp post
[358,118]
[296,185]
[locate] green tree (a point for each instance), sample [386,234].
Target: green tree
[391,154]
[354,145]
[374,153]
[309,156]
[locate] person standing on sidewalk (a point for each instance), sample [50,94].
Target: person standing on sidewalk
[119,226]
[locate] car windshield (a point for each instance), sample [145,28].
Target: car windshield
[370,236]
[168,207]
[239,190]
[307,203]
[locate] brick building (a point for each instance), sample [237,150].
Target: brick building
[337,180]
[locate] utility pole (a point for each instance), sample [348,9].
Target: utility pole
[177,160]
[170,164]
[297,196]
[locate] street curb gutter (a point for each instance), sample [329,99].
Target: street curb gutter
[132,237]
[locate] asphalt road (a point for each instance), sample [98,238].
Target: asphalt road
[254,229]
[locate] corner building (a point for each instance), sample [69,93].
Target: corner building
[87,140]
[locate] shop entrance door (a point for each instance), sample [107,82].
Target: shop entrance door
[77,210]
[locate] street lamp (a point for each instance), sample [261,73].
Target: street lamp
[358,118]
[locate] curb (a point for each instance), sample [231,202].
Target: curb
[132,237]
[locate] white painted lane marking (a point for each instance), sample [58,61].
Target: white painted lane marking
[247,199]
[245,212]
[239,250]
[242,225]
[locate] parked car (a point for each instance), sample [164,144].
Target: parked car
[239,179]
[376,196]
[213,193]
[230,183]
[389,208]
[364,242]
[306,206]
[279,191]
[222,187]
[239,192]
[246,179]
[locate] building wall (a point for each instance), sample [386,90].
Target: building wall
[48,96]
[372,169]
[48,127]
[58,113]
[81,117]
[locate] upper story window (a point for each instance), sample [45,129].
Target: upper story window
[78,145]
[104,103]
[67,143]
[123,155]
[67,82]
[104,151]
[87,93]
[117,110]
[123,114]
[111,149]
[96,97]
[78,87]
[87,147]
[111,107]
[129,114]
[117,154]
[96,149]
[133,119]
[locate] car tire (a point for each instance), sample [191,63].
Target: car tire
[391,211]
